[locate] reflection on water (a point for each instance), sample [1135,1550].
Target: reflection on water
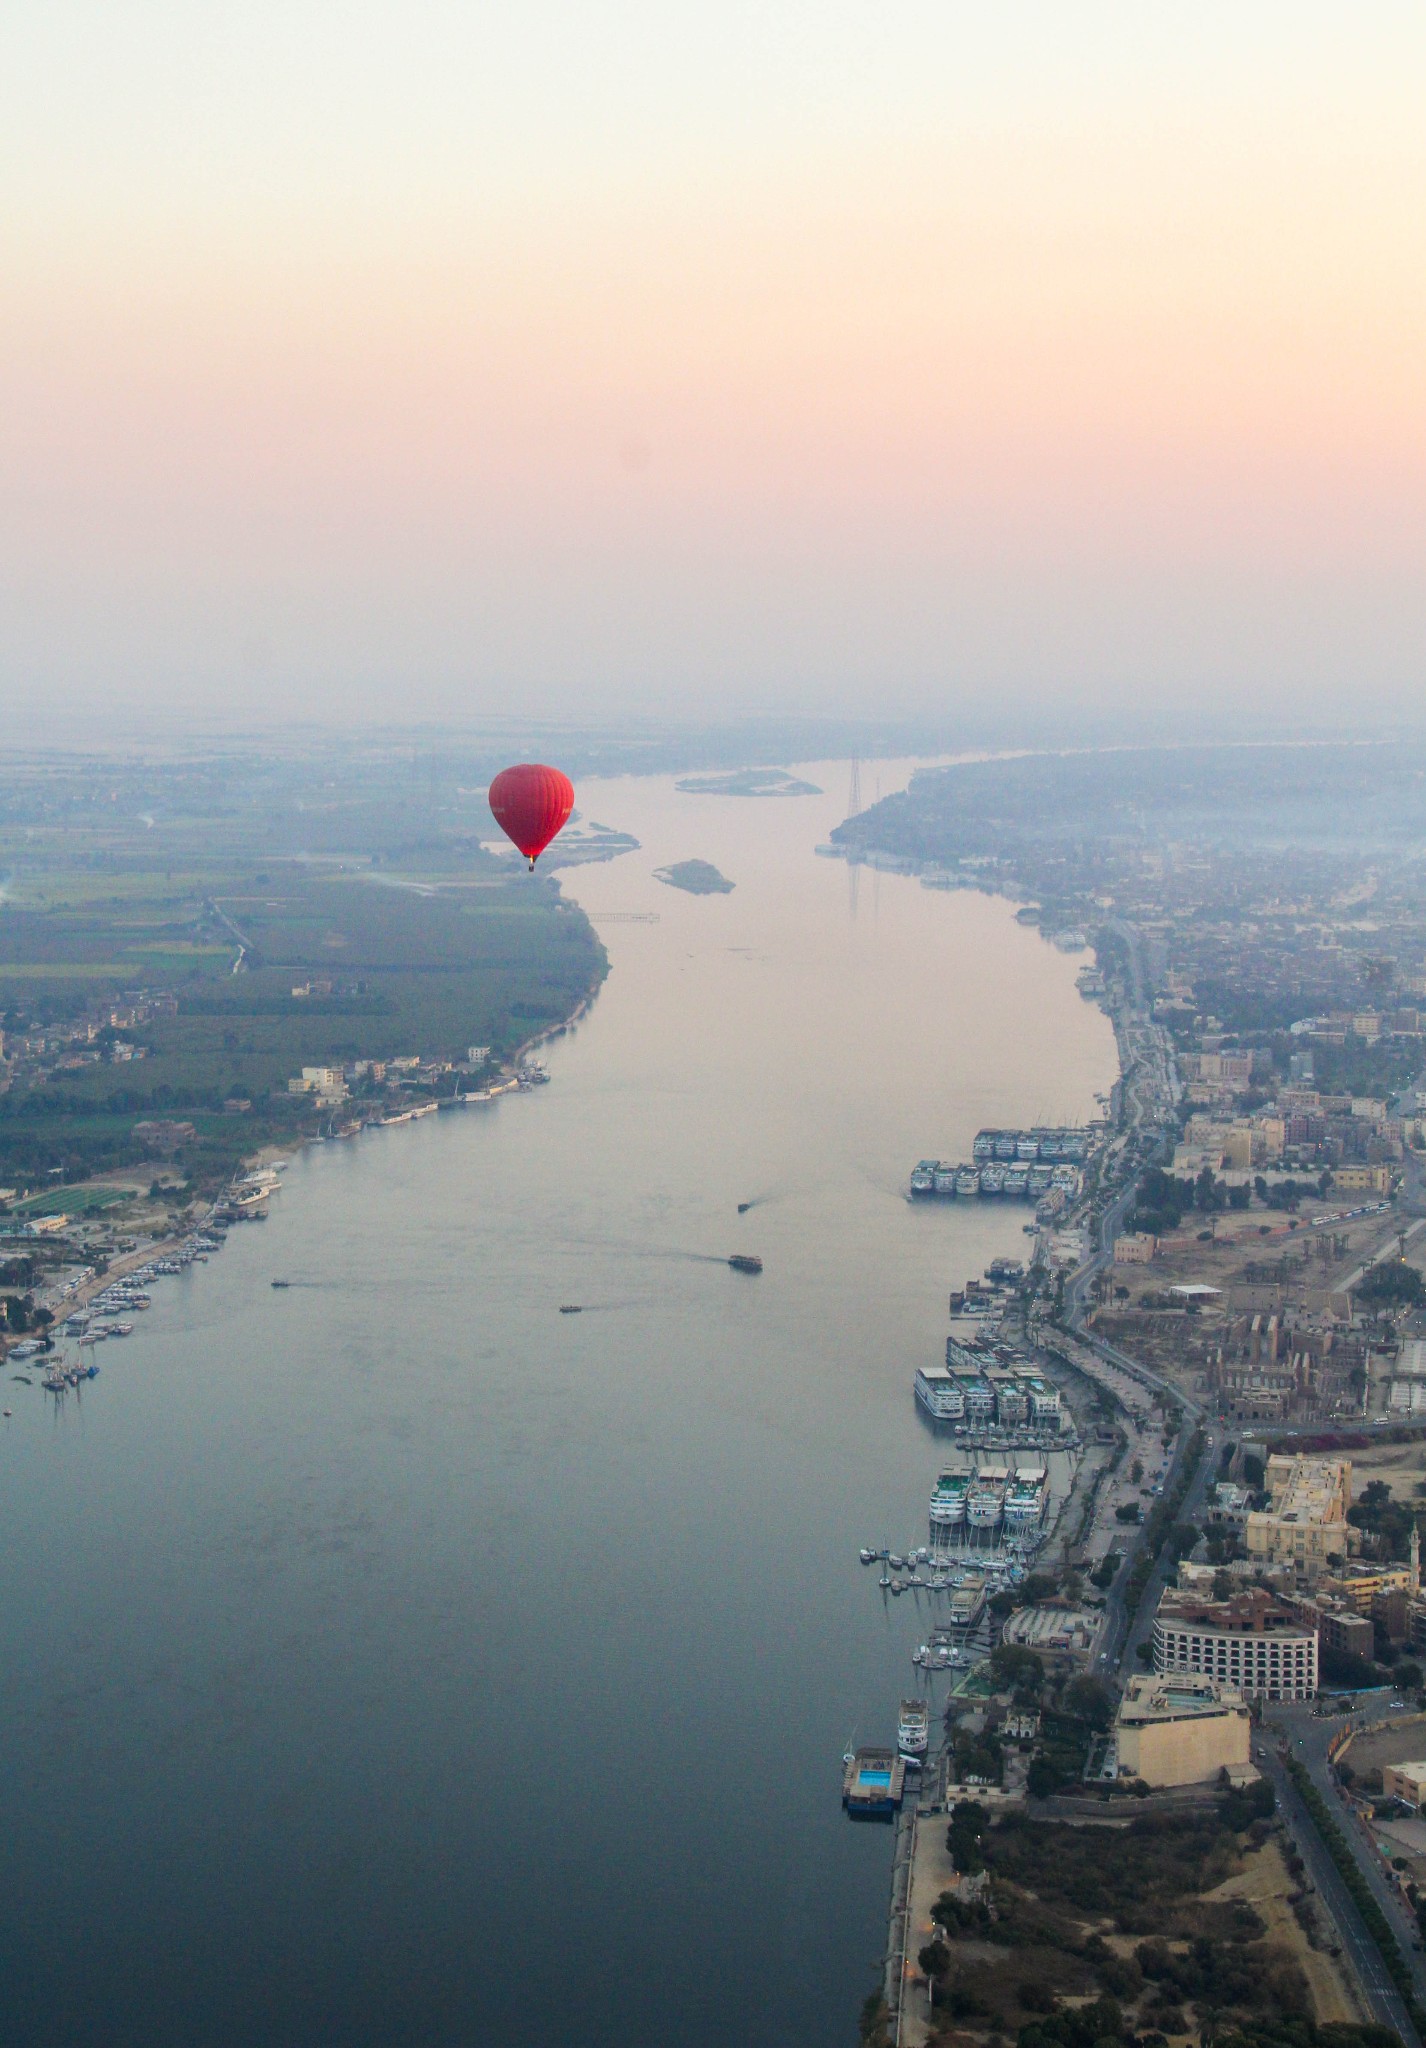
[393,1658]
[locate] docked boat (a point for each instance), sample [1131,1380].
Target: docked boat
[923,1176]
[945,1180]
[1025,1499]
[948,1500]
[968,1181]
[938,1390]
[985,1498]
[913,1731]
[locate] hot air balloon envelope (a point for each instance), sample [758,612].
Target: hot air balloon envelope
[531,804]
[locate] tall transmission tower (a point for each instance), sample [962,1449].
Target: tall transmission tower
[854,789]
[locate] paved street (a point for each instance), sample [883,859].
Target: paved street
[1309,1736]
[1386,2003]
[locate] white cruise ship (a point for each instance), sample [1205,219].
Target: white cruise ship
[1046,1408]
[985,1498]
[948,1501]
[1025,1499]
[968,1181]
[939,1391]
[913,1730]
[945,1179]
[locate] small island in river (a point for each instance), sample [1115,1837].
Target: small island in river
[747,782]
[698,877]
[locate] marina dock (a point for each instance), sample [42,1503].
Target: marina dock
[873,1783]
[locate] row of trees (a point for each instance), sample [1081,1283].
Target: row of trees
[1164,1199]
[1359,1891]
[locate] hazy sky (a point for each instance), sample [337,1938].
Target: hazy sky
[562,357]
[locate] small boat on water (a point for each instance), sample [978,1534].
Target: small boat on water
[743,1208]
[571,1308]
[282,1283]
[868,1557]
[745,1262]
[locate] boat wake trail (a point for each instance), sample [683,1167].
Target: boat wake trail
[603,1308]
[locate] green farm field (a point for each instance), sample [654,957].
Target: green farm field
[460,949]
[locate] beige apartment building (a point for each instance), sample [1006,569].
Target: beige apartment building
[1305,1521]
[1180,1730]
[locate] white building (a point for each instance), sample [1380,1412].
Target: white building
[1249,1641]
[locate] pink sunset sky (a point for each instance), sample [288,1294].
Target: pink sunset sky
[438,359]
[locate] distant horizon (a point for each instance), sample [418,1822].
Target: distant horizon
[650,362]
[41,729]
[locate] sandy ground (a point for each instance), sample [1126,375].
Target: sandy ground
[1266,1886]
[1399,1466]
[1399,1740]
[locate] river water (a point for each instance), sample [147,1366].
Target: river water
[392,1659]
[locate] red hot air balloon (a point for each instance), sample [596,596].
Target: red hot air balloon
[531,804]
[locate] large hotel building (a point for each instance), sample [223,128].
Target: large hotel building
[1250,1641]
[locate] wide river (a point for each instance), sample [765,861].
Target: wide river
[392,1659]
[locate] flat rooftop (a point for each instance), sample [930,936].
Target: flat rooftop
[1150,1699]
[1309,1489]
